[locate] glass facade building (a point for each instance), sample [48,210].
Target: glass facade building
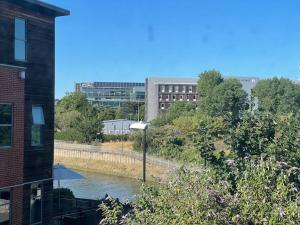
[112,94]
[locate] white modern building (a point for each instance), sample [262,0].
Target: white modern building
[116,127]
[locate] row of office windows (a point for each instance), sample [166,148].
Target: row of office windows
[177,88]
[177,97]
[35,205]
[6,125]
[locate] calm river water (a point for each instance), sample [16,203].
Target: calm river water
[96,185]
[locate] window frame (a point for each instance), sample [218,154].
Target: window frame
[42,198]
[11,125]
[40,126]
[176,88]
[17,39]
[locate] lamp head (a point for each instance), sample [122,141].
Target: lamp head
[139,126]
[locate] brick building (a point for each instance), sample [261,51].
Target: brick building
[27,33]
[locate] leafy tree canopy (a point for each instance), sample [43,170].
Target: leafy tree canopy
[176,110]
[208,80]
[228,100]
[277,96]
[76,119]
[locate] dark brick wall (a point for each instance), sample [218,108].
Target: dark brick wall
[11,159]
[29,163]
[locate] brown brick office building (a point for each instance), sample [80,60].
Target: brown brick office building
[27,47]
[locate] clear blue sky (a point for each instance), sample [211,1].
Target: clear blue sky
[128,40]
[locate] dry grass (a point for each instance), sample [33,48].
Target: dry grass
[154,173]
[127,145]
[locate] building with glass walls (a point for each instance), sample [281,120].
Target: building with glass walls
[112,94]
[27,71]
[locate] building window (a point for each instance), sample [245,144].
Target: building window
[5,125]
[160,97]
[20,39]
[162,88]
[183,89]
[167,98]
[174,97]
[176,88]
[38,122]
[170,88]
[5,207]
[162,106]
[181,97]
[190,89]
[36,204]
[194,98]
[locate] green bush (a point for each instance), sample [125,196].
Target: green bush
[265,194]
[66,200]
[70,135]
[113,137]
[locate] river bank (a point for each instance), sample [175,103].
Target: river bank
[154,172]
[107,159]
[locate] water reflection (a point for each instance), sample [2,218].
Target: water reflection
[95,186]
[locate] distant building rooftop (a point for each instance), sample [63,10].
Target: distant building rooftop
[111,84]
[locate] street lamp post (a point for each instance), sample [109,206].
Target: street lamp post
[142,126]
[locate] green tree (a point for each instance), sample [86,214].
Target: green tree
[208,80]
[253,134]
[228,100]
[186,124]
[76,119]
[133,110]
[106,113]
[176,110]
[286,146]
[120,114]
[75,101]
[277,96]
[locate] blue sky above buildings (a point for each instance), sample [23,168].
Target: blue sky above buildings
[128,40]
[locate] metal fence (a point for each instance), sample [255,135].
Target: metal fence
[90,152]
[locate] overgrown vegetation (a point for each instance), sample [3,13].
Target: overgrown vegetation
[76,120]
[247,155]
[263,194]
